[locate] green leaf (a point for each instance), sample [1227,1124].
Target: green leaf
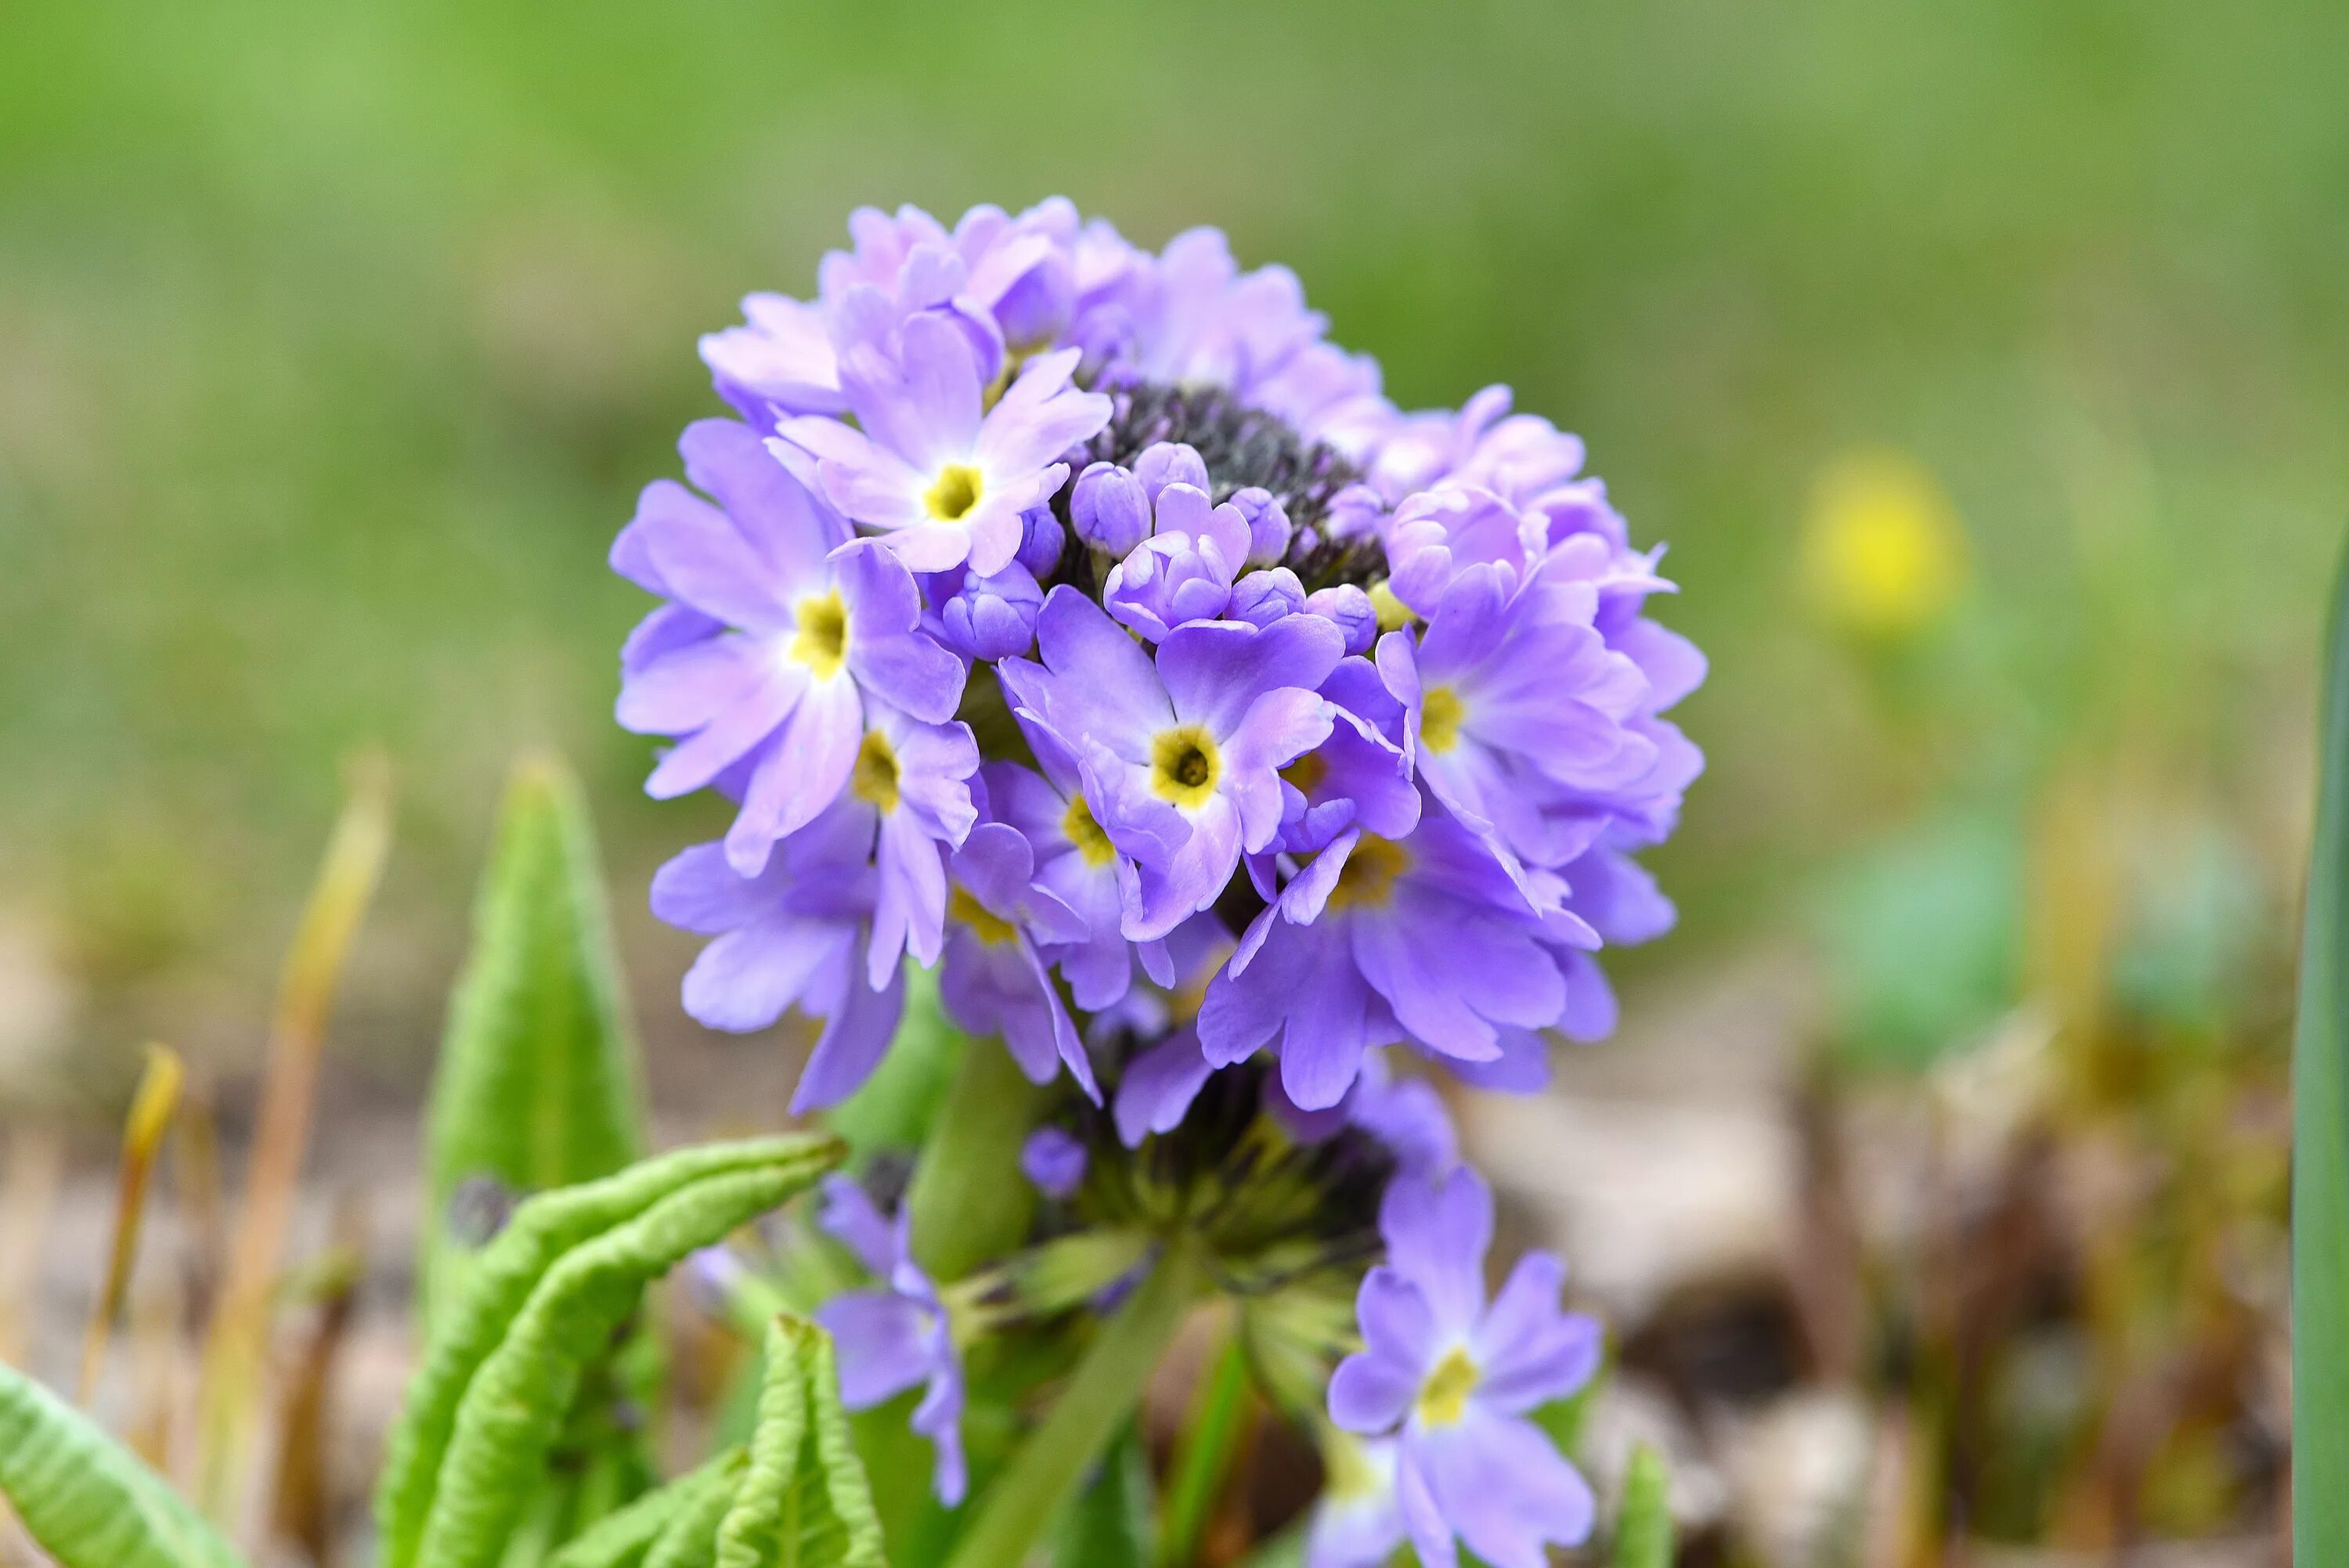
[537,1083]
[803,1502]
[1643,1530]
[2320,1163]
[87,1502]
[546,1298]
[622,1539]
[1108,1523]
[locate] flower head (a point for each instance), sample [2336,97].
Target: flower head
[1365,709]
[1453,1378]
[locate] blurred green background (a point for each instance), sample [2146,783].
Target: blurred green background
[335,341]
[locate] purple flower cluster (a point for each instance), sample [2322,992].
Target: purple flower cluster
[1341,722]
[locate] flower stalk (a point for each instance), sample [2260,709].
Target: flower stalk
[1101,1393]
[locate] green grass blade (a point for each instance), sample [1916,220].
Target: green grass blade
[543,1235]
[1643,1530]
[2320,1165]
[1203,1457]
[87,1502]
[537,1083]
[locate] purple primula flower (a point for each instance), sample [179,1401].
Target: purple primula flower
[1053,1161]
[1182,572]
[1360,774]
[943,479]
[1006,284]
[1180,756]
[1158,1088]
[791,937]
[1357,1522]
[915,779]
[1075,864]
[1406,1115]
[995,981]
[1430,938]
[890,1341]
[780,634]
[1516,705]
[1454,1378]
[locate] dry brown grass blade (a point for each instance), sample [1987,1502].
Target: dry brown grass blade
[151,1108]
[302,1500]
[306,993]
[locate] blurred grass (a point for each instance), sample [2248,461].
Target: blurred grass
[335,341]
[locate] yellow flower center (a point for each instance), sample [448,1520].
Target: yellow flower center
[1347,1469]
[1443,1398]
[957,490]
[1370,872]
[821,641]
[1183,766]
[1086,834]
[984,922]
[875,776]
[1393,613]
[1439,719]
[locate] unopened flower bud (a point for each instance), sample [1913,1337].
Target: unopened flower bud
[1110,508]
[1170,463]
[1041,539]
[1261,598]
[993,617]
[1351,609]
[1267,520]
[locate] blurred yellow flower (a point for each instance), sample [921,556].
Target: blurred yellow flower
[1883,552]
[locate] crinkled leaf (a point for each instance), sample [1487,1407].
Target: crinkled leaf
[689,1539]
[622,1539]
[803,1502]
[546,1298]
[87,1502]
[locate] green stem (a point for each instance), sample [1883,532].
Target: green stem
[1103,1392]
[1205,1458]
[967,1202]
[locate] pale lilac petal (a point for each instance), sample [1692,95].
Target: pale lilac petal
[856,1035]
